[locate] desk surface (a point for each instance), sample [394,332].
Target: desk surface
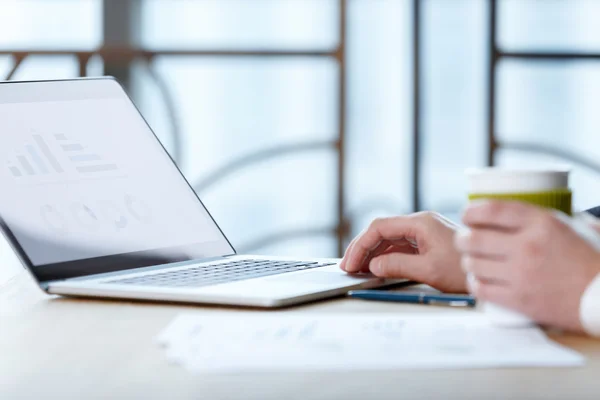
[54,347]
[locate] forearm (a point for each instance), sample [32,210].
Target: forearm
[589,309]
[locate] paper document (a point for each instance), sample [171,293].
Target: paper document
[205,343]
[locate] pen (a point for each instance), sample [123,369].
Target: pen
[415,297]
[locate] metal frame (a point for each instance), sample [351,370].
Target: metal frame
[121,28]
[416,118]
[121,49]
[495,56]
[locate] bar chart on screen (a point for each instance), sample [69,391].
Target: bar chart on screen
[57,158]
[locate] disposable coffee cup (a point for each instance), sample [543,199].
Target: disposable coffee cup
[543,187]
[547,188]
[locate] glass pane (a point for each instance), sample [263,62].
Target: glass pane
[454,98]
[47,67]
[95,66]
[9,263]
[6,63]
[552,104]
[240,24]
[549,25]
[289,193]
[55,24]
[317,246]
[228,110]
[379,110]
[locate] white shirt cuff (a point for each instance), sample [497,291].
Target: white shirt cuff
[589,308]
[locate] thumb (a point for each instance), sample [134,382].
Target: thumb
[399,266]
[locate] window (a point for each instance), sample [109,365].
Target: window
[233,106]
[548,87]
[266,79]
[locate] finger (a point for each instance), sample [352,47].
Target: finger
[500,214]
[484,269]
[402,245]
[349,250]
[485,243]
[350,265]
[381,248]
[472,283]
[395,228]
[495,293]
[399,266]
[388,246]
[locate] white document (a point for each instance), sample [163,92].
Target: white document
[205,343]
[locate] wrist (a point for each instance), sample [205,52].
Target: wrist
[592,221]
[589,307]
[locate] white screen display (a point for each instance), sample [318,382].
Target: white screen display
[82,176]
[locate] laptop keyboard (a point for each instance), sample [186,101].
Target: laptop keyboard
[213,274]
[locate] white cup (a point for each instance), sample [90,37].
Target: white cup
[501,181]
[496,180]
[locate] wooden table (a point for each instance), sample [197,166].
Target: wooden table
[58,348]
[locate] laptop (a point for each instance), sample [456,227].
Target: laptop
[94,206]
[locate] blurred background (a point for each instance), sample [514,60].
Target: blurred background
[298,121]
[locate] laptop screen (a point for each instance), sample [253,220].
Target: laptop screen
[86,187]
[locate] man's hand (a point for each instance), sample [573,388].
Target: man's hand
[417,247]
[525,258]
